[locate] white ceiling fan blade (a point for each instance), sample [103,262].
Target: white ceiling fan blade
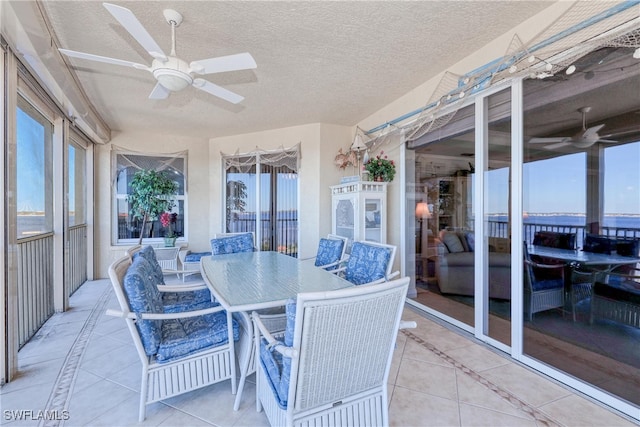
[554,146]
[607,140]
[128,20]
[104,59]
[548,140]
[159,92]
[240,61]
[593,130]
[218,91]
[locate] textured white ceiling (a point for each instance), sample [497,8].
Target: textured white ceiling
[318,61]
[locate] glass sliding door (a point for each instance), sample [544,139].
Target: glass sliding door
[76,262]
[264,203]
[498,218]
[444,176]
[581,192]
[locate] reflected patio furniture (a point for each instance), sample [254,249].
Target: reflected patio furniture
[544,285]
[369,263]
[618,297]
[180,351]
[554,239]
[331,369]
[331,252]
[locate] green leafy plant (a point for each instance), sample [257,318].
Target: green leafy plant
[152,193]
[381,168]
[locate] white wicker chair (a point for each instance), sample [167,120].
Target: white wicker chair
[341,351]
[544,286]
[190,372]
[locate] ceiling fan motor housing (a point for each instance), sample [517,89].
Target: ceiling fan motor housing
[172,74]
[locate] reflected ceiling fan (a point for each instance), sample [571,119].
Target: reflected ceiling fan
[172,73]
[583,139]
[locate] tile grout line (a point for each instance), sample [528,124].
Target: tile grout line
[539,417]
[63,386]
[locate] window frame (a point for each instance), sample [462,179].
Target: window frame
[180,199]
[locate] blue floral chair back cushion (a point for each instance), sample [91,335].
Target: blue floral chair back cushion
[144,299]
[232,244]
[367,263]
[150,255]
[329,251]
[276,366]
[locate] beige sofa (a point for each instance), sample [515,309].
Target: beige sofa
[455,266]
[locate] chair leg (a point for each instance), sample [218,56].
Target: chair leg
[143,396]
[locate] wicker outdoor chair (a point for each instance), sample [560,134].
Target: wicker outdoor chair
[369,263]
[617,297]
[544,286]
[180,351]
[331,365]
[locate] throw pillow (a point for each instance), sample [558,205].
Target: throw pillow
[452,242]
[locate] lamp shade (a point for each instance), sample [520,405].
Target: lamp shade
[358,142]
[422,210]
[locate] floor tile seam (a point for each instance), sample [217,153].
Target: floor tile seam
[62,389]
[589,362]
[540,417]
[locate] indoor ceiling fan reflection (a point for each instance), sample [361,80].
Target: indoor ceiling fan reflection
[583,139]
[172,73]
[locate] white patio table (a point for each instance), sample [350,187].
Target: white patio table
[249,281]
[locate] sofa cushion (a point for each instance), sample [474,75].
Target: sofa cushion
[452,241]
[232,244]
[470,237]
[181,337]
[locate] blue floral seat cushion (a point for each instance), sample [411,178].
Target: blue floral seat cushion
[276,366]
[232,244]
[195,256]
[329,252]
[182,337]
[367,263]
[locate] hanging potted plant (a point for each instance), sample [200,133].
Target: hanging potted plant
[152,193]
[380,168]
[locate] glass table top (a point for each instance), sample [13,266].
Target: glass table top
[254,280]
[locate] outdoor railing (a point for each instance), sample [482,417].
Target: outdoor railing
[76,271]
[501,229]
[35,284]
[281,236]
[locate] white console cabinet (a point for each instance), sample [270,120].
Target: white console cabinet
[359,210]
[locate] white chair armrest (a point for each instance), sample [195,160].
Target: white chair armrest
[164,316]
[182,288]
[407,324]
[271,341]
[392,275]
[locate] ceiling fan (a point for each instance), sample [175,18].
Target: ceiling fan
[172,73]
[583,139]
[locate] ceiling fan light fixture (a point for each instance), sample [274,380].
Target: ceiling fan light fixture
[172,80]
[570,70]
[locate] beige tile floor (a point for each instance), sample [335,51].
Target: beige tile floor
[83,365]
